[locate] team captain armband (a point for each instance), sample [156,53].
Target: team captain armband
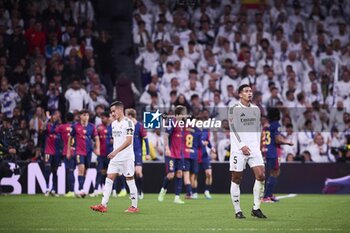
[129,131]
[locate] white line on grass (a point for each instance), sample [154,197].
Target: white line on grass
[14,229]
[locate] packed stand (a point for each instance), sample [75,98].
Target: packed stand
[295,55]
[52,58]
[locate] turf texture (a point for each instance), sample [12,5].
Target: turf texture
[303,213]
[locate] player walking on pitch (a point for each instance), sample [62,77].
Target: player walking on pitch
[121,158]
[245,139]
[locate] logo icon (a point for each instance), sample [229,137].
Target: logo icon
[151,120]
[242,115]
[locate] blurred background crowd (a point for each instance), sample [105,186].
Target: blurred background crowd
[294,54]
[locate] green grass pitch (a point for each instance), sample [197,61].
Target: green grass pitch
[303,213]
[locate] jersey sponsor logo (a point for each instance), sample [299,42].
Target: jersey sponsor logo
[248,121]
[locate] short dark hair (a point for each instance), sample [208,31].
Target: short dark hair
[83,111]
[69,116]
[117,104]
[105,114]
[241,87]
[274,114]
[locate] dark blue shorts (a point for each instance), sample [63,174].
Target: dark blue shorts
[102,163]
[173,165]
[205,164]
[272,163]
[191,165]
[70,164]
[85,160]
[138,159]
[52,160]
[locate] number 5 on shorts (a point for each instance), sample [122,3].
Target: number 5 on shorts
[235,159]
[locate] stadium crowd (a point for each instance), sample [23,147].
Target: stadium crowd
[295,55]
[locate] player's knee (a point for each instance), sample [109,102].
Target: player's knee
[237,178]
[208,173]
[260,177]
[179,174]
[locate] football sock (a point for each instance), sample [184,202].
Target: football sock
[207,187]
[115,183]
[235,196]
[188,189]
[54,179]
[178,185]
[133,192]
[107,191]
[71,180]
[98,180]
[47,173]
[194,190]
[271,183]
[81,180]
[258,191]
[166,181]
[122,182]
[139,182]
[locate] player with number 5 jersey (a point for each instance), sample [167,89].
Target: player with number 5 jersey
[244,119]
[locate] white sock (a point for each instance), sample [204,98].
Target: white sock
[107,191]
[133,192]
[235,196]
[258,192]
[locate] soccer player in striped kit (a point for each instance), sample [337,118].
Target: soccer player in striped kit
[83,133]
[140,137]
[52,152]
[104,132]
[174,154]
[64,131]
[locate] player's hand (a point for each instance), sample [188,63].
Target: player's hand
[167,151]
[148,157]
[205,143]
[290,143]
[245,150]
[111,155]
[213,150]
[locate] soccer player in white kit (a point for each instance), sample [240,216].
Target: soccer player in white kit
[121,158]
[245,126]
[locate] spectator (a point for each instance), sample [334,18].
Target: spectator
[8,98]
[76,96]
[83,12]
[95,100]
[35,38]
[37,126]
[320,151]
[54,47]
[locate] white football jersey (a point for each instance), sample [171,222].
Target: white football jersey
[120,130]
[245,127]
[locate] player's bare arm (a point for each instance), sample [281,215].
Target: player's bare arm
[166,143]
[282,141]
[97,146]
